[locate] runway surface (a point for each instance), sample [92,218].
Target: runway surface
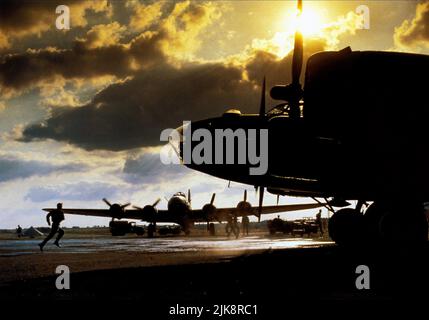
[158,245]
[164,271]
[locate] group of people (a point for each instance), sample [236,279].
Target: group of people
[233,227]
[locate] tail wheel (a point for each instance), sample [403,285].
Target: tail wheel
[345,227]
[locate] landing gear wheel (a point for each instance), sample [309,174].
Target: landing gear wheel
[371,222]
[345,227]
[404,224]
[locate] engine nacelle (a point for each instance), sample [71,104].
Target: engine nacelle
[209,211]
[116,210]
[149,212]
[286,93]
[244,207]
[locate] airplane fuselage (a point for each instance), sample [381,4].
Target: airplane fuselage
[179,206]
[362,133]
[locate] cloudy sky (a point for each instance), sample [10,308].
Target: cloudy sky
[81,110]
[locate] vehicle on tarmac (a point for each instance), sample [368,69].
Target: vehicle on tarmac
[301,227]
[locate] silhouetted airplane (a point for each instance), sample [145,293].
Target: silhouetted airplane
[358,131]
[179,211]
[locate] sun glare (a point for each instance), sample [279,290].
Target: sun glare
[309,22]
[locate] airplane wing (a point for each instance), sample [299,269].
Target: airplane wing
[196,216]
[223,213]
[127,214]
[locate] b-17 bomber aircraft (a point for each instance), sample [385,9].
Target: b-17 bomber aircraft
[357,130]
[180,212]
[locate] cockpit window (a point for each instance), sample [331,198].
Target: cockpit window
[180,194]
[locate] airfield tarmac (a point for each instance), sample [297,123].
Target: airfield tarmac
[274,272]
[21,259]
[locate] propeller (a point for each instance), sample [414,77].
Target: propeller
[153,205]
[213,198]
[156,202]
[107,202]
[149,211]
[116,208]
[293,92]
[189,196]
[298,52]
[209,209]
[262,105]
[244,206]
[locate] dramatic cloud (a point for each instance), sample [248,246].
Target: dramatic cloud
[19,19]
[82,191]
[147,168]
[29,69]
[184,25]
[132,113]
[144,15]
[414,33]
[14,168]
[100,52]
[103,35]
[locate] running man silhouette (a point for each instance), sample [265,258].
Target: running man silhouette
[57,216]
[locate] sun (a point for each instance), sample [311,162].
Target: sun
[312,23]
[309,22]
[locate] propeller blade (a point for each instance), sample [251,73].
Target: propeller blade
[298,51]
[262,106]
[189,195]
[107,202]
[245,195]
[125,205]
[261,201]
[213,198]
[278,196]
[156,202]
[138,208]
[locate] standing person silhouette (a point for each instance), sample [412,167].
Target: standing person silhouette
[19,231]
[245,225]
[319,221]
[57,216]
